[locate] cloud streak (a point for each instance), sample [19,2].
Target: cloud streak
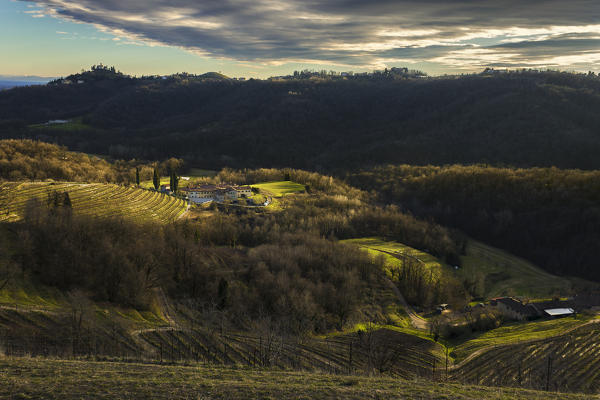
[461,34]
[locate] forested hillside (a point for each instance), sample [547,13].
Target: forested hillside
[519,118]
[37,161]
[550,216]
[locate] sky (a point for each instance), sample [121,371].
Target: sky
[262,38]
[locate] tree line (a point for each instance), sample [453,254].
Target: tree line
[519,118]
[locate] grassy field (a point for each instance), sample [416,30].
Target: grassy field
[507,275]
[279,189]
[164,180]
[95,199]
[53,379]
[74,124]
[380,247]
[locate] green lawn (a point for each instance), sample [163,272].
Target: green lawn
[507,275]
[164,180]
[27,378]
[279,189]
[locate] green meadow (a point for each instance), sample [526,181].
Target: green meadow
[390,251]
[279,189]
[507,275]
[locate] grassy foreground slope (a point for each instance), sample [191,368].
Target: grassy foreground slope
[92,199]
[51,379]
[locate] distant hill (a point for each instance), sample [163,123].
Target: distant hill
[521,118]
[214,75]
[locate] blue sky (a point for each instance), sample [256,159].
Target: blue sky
[262,38]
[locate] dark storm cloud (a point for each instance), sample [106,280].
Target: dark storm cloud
[461,34]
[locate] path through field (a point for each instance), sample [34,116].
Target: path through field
[415,319]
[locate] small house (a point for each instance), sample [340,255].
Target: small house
[515,309]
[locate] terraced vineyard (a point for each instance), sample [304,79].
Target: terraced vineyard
[567,363]
[93,199]
[383,350]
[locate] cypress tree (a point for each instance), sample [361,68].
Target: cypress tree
[67,201]
[175,182]
[156,179]
[137,176]
[223,293]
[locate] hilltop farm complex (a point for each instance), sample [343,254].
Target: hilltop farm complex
[218,193]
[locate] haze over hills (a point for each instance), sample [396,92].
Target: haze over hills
[524,118]
[8,82]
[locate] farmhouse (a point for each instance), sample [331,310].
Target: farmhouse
[515,309]
[218,193]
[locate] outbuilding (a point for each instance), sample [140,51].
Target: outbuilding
[559,312]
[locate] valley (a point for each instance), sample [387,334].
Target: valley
[362,236]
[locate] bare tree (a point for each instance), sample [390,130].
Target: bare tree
[82,309]
[272,339]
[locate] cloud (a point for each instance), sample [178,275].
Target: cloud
[463,34]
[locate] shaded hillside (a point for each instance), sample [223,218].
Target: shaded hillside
[547,215]
[524,118]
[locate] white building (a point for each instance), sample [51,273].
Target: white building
[218,193]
